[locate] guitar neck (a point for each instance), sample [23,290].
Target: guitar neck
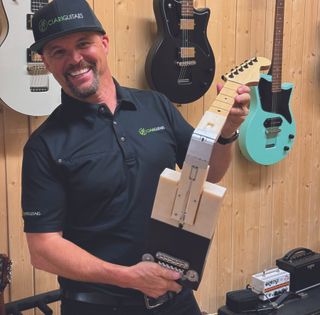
[276,69]
[37,4]
[187,8]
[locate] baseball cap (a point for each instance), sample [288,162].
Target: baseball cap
[62,17]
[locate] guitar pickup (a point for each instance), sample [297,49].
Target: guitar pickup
[33,56]
[37,69]
[187,24]
[273,122]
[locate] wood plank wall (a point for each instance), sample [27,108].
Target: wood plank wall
[268,210]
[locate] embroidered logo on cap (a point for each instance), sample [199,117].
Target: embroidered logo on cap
[44,24]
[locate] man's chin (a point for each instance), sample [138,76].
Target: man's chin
[83,93]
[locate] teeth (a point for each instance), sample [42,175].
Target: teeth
[78,72]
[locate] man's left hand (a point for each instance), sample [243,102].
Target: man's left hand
[238,111]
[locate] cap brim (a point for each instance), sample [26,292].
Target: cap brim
[39,45]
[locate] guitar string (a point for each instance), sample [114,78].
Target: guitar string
[277,40]
[181,73]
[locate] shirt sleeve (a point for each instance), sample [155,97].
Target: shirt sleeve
[43,194]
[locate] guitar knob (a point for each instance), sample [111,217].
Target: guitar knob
[291,136]
[286,148]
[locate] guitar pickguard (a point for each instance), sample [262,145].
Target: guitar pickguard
[275,102]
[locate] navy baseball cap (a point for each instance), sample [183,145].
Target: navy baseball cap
[62,17]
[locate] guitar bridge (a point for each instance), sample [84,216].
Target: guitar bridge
[175,264]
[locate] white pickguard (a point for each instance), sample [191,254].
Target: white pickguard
[16,82]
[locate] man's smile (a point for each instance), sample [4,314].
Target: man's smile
[79,72]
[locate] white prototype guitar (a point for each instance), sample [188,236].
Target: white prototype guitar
[26,86]
[186,206]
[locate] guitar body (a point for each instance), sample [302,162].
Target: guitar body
[30,92]
[186,82]
[187,247]
[267,134]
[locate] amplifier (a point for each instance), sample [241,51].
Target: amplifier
[304,267]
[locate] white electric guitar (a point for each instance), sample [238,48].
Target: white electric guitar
[26,86]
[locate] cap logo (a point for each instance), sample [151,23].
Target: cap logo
[44,24]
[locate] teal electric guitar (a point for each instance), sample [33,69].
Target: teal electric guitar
[268,133]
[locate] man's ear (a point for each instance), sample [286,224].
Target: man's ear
[105,42]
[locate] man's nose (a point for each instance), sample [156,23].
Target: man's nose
[75,56]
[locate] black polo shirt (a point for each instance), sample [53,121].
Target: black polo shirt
[93,175]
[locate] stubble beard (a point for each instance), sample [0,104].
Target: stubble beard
[84,93]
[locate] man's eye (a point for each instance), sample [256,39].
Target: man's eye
[84,44]
[57,54]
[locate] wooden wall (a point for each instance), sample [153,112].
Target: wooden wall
[268,209]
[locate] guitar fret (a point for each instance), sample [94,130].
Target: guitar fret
[186,8]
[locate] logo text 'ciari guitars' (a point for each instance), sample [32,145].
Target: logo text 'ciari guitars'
[44,24]
[146,131]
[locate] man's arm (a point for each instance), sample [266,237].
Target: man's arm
[52,253]
[222,153]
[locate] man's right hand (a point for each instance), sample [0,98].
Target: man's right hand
[152,279]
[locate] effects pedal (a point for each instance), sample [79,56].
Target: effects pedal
[270,283]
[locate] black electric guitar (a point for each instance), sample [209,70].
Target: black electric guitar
[5,278]
[180,64]
[26,86]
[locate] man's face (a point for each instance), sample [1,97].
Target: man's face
[78,61]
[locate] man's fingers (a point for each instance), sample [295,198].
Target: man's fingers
[219,87]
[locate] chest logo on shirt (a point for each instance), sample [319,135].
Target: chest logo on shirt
[146,131]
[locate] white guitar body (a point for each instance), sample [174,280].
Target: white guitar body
[25,85]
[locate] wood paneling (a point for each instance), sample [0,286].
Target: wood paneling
[268,209]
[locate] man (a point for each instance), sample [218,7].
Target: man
[90,175]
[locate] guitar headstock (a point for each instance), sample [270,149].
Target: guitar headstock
[248,73]
[5,271]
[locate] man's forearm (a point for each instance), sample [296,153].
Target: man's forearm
[219,162]
[54,254]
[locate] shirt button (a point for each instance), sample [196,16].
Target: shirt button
[115,123]
[123,139]
[102,110]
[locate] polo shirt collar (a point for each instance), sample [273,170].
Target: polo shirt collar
[89,111]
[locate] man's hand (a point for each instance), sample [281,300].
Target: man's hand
[152,279]
[238,112]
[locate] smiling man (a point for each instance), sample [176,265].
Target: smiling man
[90,172]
